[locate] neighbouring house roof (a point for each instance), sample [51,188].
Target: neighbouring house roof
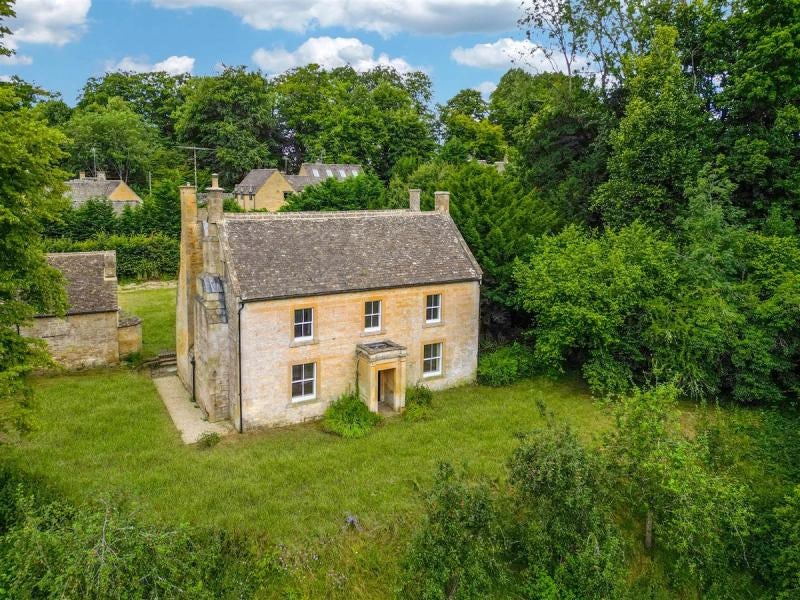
[300,182]
[91,280]
[326,170]
[279,255]
[80,190]
[253,181]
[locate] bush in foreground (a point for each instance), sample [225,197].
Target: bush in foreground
[504,366]
[419,402]
[349,417]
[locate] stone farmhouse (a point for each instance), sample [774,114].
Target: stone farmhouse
[278,314]
[115,191]
[267,189]
[92,333]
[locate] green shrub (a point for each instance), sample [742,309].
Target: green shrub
[349,417]
[419,402]
[504,366]
[139,257]
[208,439]
[456,553]
[786,561]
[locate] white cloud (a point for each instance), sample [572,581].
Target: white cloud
[5,78]
[506,52]
[383,16]
[16,60]
[49,21]
[329,53]
[173,65]
[486,88]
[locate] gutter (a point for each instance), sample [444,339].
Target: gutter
[239,338]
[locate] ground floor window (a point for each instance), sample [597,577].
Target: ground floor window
[304,381]
[432,359]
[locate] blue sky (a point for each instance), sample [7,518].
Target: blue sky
[460,43]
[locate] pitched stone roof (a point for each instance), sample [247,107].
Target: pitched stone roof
[80,190]
[91,280]
[279,255]
[300,182]
[253,181]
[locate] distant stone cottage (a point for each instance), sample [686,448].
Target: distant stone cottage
[267,189]
[280,313]
[115,191]
[91,334]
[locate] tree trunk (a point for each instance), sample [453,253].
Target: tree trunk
[648,531]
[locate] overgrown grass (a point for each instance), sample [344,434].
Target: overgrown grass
[157,309]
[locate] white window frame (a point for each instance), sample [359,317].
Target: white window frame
[342,173]
[373,314]
[315,172]
[354,172]
[437,306]
[302,322]
[437,357]
[329,172]
[304,379]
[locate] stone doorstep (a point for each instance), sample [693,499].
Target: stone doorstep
[188,418]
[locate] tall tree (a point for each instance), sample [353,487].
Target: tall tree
[31,189]
[233,114]
[120,140]
[660,142]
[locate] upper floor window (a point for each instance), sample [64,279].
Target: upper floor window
[372,315]
[329,172]
[304,381]
[303,323]
[315,172]
[342,173]
[432,359]
[433,308]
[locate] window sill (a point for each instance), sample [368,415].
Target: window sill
[427,324]
[308,342]
[370,333]
[302,401]
[427,376]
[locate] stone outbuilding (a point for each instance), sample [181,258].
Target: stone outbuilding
[267,189]
[278,314]
[115,191]
[92,333]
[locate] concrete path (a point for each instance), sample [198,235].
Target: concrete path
[188,418]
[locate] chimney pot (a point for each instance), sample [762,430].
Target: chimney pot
[413,199]
[214,180]
[442,201]
[81,174]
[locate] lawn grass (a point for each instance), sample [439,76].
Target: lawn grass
[156,307]
[107,434]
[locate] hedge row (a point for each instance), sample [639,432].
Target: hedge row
[139,257]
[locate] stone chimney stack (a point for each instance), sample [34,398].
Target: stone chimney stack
[81,174]
[214,204]
[101,175]
[413,199]
[212,255]
[442,201]
[191,264]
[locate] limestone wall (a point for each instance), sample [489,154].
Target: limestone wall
[79,341]
[129,336]
[268,350]
[271,194]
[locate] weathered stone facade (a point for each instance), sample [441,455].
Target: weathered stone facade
[238,349]
[91,333]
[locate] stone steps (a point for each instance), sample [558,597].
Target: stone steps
[163,365]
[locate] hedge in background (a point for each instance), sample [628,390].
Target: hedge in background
[504,366]
[139,257]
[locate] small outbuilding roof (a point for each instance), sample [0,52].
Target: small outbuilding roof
[281,255]
[253,181]
[91,280]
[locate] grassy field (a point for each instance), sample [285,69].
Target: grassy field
[157,309]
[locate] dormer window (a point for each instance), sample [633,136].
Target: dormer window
[433,308]
[342,173]
[303,324]
[329,172]
[355,172]
[315,172]
[372,315]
